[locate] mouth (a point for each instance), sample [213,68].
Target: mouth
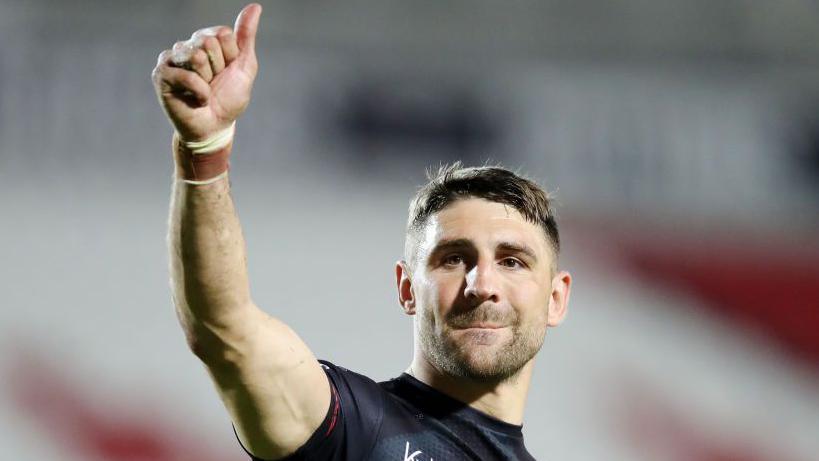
[481,326]
[481,334]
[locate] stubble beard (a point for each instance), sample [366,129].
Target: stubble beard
[495,363]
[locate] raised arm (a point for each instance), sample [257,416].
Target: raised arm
[271,384]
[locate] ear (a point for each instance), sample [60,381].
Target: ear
[403,279]
[559,300]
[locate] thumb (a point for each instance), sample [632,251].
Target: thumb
[245,28]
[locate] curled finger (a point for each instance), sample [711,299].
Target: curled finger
[180,55]
[213,51]
[207,40]
[200,63]
[185,55]
[182,83]
[227,39]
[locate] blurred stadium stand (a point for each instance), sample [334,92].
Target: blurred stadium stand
[681,137]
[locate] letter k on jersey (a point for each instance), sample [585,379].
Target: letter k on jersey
[414,455]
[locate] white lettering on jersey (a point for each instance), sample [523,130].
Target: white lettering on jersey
[412,457]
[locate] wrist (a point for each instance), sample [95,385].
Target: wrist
[203,162]
[213,143]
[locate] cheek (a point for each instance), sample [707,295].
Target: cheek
[530,299]
[439,294]
[447,290]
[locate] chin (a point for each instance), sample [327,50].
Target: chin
[493,356]
[494,362]
[487,365]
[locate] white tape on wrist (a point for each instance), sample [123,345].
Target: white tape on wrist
[212,144]
[205,181]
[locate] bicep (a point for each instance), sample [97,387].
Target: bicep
[271,384]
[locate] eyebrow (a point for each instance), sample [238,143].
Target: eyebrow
[461,243]
[453,244]
[515,247]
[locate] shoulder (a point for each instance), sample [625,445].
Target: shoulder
[345,379]
[353,421]
[361,399]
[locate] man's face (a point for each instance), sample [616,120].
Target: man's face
[481,284]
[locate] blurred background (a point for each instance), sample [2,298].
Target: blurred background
[680,137]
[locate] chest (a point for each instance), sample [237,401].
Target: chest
[409,434]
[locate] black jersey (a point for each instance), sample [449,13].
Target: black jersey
[404,419]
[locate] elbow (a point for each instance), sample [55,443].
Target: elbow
[219,340]
[200,348]
[215,349]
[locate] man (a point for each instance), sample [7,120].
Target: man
[479,276]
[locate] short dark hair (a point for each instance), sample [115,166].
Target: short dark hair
[454,182]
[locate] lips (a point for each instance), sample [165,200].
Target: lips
[481,326]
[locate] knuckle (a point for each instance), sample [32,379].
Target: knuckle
[223,32]
[206,32]
[178,60]
[200,32]
[210,42]
[159,71]
[226,38]
[180,56]
[196,40]
[198,57]
[216,30]
[163,56]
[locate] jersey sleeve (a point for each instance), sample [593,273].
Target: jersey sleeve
[352,423]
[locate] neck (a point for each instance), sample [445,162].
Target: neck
[503,400]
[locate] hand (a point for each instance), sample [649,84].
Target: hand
[204,83]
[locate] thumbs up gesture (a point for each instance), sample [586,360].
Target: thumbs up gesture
[204,83]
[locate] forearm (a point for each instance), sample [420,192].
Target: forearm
[207,255]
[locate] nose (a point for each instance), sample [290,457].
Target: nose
[481,284]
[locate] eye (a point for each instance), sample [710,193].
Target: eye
[453,260]
[511,263]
